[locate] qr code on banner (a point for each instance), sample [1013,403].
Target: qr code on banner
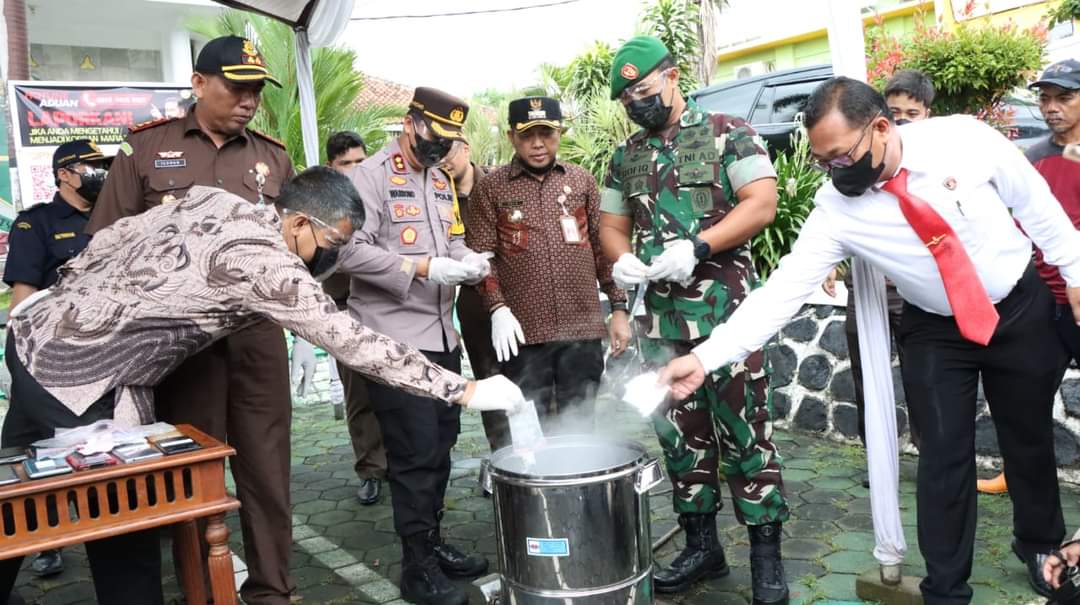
[43,183]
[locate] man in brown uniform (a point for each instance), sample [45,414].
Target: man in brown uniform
[406,262]
[238,388]
[472,314]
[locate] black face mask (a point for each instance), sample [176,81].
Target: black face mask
[902,121]
[92,184]
[856,179]
[430,153]
[650,113]
[323,262]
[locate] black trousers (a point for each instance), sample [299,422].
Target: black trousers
[561,379]
[1020,370]
[1069,333]
[126,569]
[475,323]
[418,433]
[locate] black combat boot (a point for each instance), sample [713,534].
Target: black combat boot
[766,567]
[422,581]
[703,556]
[455,563]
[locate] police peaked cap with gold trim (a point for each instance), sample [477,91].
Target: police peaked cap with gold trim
[635,60]
[79,150]
[443,112]
[234,58]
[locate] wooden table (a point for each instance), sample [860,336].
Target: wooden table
[101,503]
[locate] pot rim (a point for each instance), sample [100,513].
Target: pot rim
[613,472]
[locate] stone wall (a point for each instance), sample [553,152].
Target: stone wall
[814,391]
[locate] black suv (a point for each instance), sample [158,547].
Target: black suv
[771,102]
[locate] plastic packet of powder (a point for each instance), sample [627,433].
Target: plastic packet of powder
[643,394]
[525,432]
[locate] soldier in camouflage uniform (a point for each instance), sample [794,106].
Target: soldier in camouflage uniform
[692,188]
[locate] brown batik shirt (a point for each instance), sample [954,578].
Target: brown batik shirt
[153,289]
[549,283]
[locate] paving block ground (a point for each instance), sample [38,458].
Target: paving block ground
[348,553]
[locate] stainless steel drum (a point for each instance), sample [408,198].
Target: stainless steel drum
[572,525]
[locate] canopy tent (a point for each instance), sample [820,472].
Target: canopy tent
[316,23]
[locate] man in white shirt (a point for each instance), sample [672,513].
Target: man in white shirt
[974,305]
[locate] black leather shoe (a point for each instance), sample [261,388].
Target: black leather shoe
[1034,564]
[422,581]
[766,566]
[457,564]
[368,493]
[47,563]
[702,558]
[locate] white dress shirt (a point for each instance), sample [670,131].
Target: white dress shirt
[972,176]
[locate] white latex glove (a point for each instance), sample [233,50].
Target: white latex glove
[675,264]
[449,272]
[496,393]
[302,365]
[629,271]
[479,262]
[505,334]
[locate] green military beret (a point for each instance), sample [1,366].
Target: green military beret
[634,60]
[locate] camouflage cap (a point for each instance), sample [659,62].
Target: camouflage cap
[634,60]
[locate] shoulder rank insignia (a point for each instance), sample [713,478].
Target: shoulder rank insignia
[23,225]
[267,137]
[150,124]
[397,164]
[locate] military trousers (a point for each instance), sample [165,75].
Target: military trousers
[237,390]
[724,427]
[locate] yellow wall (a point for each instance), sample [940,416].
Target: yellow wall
[1024,16]
[811,48]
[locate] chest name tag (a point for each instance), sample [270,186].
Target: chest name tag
[170,163]
[64,235]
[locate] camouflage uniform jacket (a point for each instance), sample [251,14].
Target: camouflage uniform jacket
[675,188]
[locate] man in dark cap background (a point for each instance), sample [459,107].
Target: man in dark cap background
[695,187]
[238,388]
[541,218]
[48,235]
[406,262]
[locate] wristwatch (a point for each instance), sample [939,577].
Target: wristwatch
[701,248]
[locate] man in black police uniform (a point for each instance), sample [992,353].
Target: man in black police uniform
[45,237]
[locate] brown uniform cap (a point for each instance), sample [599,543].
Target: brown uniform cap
[445,113]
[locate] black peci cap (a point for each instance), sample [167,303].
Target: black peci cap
[79,150]
[535,111]
[235,59]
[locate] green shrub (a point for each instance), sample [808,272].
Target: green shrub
[796,185]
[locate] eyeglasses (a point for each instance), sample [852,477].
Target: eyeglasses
[451,145]
[332,234]
[643,88]
[844,160]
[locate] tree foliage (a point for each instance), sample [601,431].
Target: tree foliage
[674,22]
[1067,11]
[337,86]
[972,67]
[594,132]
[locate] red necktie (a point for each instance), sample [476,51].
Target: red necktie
[975,314]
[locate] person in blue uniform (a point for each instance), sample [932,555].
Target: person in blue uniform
[45,236]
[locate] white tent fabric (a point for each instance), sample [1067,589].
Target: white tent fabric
[317,23]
